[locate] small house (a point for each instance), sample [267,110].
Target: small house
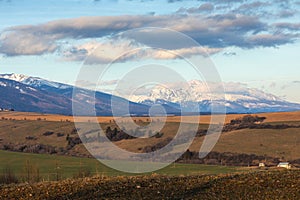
[261,165]
[284,165]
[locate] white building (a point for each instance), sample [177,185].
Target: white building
[284,165]
[261,165]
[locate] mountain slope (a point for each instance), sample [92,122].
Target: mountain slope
[33,94]
[22,97]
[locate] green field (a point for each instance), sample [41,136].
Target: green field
[50,165]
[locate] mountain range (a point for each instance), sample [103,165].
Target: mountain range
[197,95]
[34,94]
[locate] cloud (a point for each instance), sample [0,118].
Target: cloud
[287,13]
[173,1]
[272,85]
[235,87]
[253,5]
[214,32]
[84,84]
[226,1]
[88,27]
[109,82]
[25,43]
[266,10]
[229,54]
[206,7]
[256,8]
[117,50]
[269,40]
[184,52]
[288,26]
[101,52]
[92,85]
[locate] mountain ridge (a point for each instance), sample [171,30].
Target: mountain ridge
[196,95]
[192,97]
[33,94]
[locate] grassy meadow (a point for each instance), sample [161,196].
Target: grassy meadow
[51,166]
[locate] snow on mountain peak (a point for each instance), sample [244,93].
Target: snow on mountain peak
[196,92]
[33,81]
[14,77]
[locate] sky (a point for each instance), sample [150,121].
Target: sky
[250,42]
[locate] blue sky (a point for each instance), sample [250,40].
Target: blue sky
[252,42]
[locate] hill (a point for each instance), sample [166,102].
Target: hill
[262,185]
[48,134]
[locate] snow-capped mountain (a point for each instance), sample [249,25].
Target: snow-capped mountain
[20,97]
[197,95]
[188,97]
[14,77]
[33,94]
[35,81]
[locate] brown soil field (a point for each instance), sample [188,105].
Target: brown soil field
[261,185]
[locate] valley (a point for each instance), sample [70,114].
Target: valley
[57,134]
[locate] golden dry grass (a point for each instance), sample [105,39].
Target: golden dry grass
[203,119]
[271,142]
[271,117]
[275,143]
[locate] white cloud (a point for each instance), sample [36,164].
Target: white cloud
[121,50]
[24,43]
[214,32]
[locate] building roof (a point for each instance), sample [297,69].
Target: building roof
[283,163]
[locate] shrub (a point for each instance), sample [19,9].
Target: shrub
[30,138]
[8,176]
[158,135]
[60,134]
[82,173]
[48,133]
[74,131]
[31,173]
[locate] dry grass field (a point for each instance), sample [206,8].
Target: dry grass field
[275,143]
[283,143]
[203,119]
